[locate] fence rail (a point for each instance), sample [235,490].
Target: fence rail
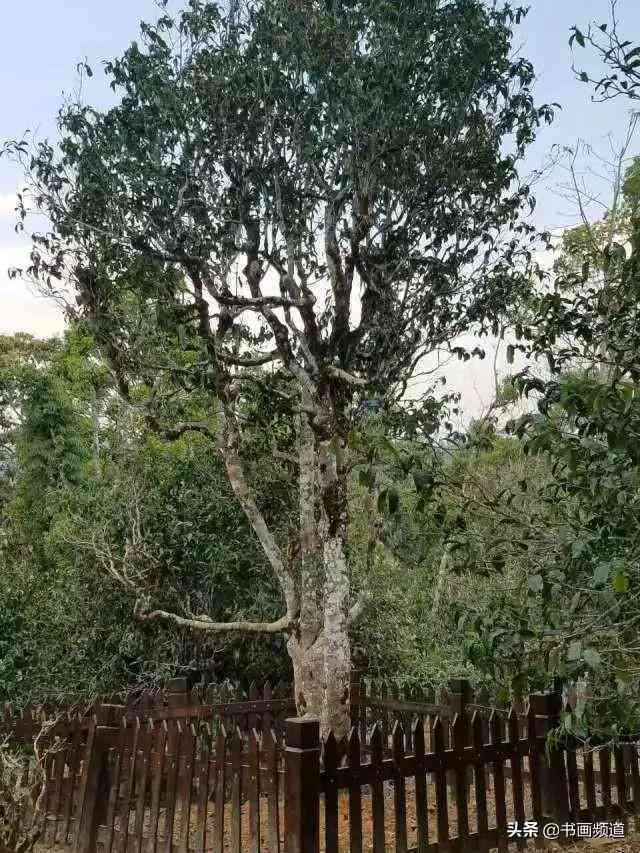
[412,776]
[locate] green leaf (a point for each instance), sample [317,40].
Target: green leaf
[383,500]
[592,658]
[502,695]
[575,650]
[367,478]
[536,583]
[620,581]
[577,549]
[424,481]
[601,574]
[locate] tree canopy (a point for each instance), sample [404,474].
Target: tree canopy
[292,204]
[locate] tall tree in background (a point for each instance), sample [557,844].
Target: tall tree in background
[292,204]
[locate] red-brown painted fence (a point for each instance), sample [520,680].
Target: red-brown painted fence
[423,777]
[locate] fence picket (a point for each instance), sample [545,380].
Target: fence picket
[384,714]
[203,792]
[355,793]
[517,783]
[399,789]
[442,808]
[24,783]
[221,772]
[621,785]
[46,799]
[460,737]
[394,693]
[535,780]
[604,757]
[129,763]
[495,724]
[174,735]
[635,784]
[142,773]
[407,720]
[422,809]
[480,779]
[589,783]
[331,794]
[73,764]
[59,762]
[377,789]
[82,793]
[115,786]
[253,791]
[157,773]
[236,791]
[574,785]
[188,747]
[270,749]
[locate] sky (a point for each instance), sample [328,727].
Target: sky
[42,42]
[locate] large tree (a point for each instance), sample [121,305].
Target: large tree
[310,199]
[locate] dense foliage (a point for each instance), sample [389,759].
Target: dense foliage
[79,490]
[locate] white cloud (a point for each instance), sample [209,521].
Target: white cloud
[7,205]
[21,309]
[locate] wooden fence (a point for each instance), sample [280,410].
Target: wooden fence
[176,702]
[423,777]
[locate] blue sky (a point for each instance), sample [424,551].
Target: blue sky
[42,42]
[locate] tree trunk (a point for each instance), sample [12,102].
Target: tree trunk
[320,649]
[321,680]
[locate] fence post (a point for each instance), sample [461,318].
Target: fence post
[302,785]
[460,697]
[96,796]
[547,708]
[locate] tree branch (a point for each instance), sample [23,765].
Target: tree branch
[350,379]
[249,361]
[228,448]
[172,433]
[203,623]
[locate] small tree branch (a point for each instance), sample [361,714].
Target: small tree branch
[228,448]
[203,623]
[172,433]
[249,361]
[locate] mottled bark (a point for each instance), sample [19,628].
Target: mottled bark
[319,649]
